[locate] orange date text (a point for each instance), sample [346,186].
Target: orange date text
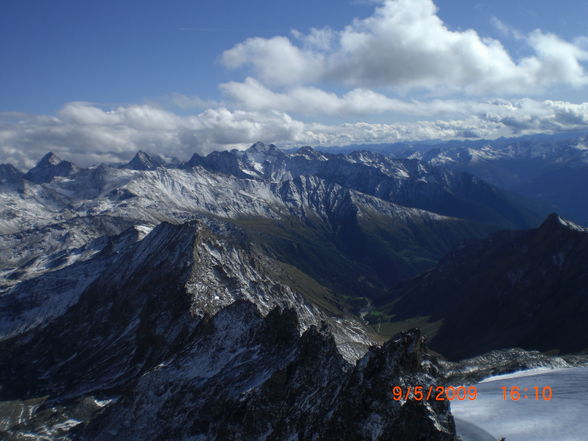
[435,393]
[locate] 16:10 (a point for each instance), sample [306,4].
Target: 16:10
[516,393]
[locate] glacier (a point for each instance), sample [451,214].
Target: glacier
[563,418]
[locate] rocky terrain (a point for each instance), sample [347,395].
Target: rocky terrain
[228,297]
[182,334]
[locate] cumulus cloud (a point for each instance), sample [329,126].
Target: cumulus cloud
[373,63]
[276,60]
[251,94]
[87,134]
[530,116]
[405,46]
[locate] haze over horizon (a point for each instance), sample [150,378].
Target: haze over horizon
[95,83]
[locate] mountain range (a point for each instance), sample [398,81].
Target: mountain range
[381,219]
[241,295]
[547,168]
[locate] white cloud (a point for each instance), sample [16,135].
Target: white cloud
[506,30]
[556,59]
[312,101]
[276,60]
[253,95]
[529,116]
[405,46]
[86,133]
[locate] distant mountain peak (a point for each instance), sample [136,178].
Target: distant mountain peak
[260,147]
[49,167]
[306,149]
[50,159]
[553,218]
[9,174]
[309,153]
[144,161]
[555,222]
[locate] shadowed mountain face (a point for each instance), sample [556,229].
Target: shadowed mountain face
[9,174]
[546,168]
[261,380]
[184,334]
[49,167]
[515,289]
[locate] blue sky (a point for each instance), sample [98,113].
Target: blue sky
[90,79]
[116,51]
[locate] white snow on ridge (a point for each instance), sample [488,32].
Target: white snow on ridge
[563,418]
[518,374]
[571,225]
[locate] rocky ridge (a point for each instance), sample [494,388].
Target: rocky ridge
[182,333]
[530,284]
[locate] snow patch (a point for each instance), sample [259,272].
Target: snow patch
[563,418]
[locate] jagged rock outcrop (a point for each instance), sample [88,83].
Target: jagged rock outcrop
[244,377]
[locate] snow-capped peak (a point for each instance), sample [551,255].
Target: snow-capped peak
[554,221]
[309,153]
[144,161]
[260,147]
[48,167]
[49,159]
[568,224]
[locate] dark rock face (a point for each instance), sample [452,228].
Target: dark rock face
[125,320]
[248,378]
[144,161]
[9,174]
[515,289]
[166,343]
[49,167]
[365,407]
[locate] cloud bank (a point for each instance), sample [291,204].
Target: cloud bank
[86,133]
